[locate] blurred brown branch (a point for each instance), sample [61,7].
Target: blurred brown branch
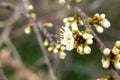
[2,75]
[26,3]
[19,69]
[96,4]
[6,56]
[6,5]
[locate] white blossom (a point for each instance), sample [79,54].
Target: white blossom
[67,39]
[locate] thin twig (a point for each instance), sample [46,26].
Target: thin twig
[14,50]
[4,38]
[2,76]
[6,5]
[53,77]
[37,64]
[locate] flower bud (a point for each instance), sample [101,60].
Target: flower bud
[33,15]
[106,51]
[115,51]
[67,24]
[99,29]
[117,65]
[74,27]
[117,44]
[55,50]
[46,42]
[117,57]
[65,20]
[48,25]
[105,23]
[62,2]
[30,8]
[27,30]
[105,63]
[77,1]
[69,47]
[62,55]
[87,50]
[62,48]
[80,49]
[87,36]
[102,16]
[97,14]
[58,46]
[50,49]
[102,79]
[81,22]
[89,41]
[71,18]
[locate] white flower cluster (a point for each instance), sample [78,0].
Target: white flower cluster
[72,37]
[82,42]
[100,22]
[30,25]
[112,56]
[55,49]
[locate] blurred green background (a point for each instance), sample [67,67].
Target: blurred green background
[75,66]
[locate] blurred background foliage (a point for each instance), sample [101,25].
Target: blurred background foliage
[75,66]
